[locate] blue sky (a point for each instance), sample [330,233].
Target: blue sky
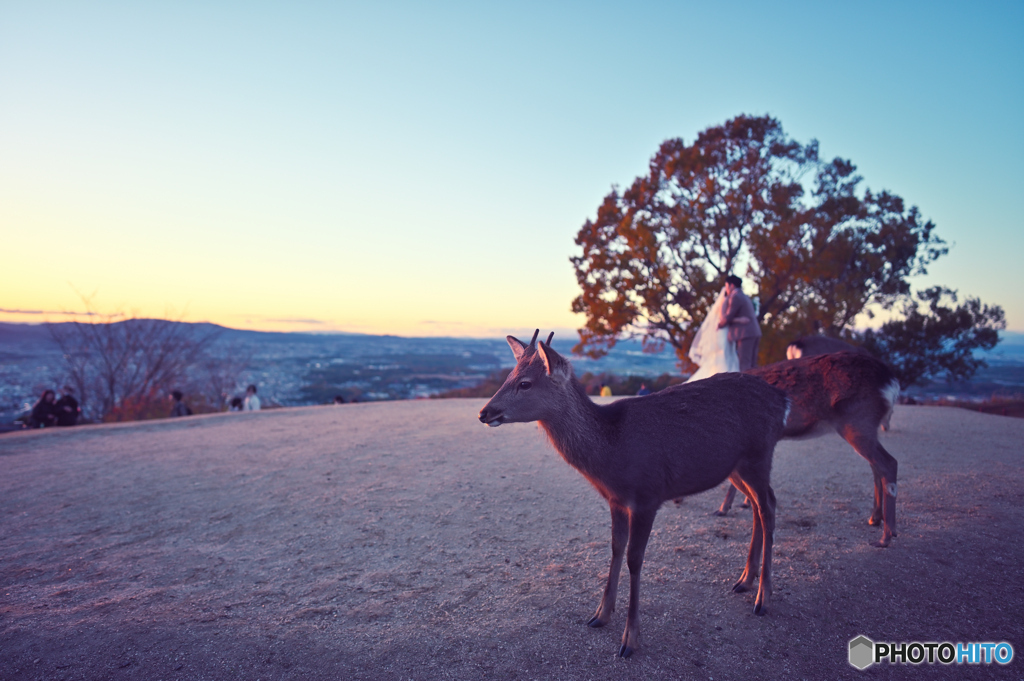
[422,169]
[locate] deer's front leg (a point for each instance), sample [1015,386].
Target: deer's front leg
[620,534]
[640,523]
[730,494]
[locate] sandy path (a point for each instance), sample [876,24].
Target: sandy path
[405,540]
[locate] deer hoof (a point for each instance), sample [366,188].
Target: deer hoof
[740,587]
[874,521]
[596,622]
[760,609]
[720,512]
[625,651]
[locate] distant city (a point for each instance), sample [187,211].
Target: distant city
[294,369]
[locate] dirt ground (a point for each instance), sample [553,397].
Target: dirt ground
[404,540]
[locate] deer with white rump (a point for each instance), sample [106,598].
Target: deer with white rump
[642,451]
[853,393]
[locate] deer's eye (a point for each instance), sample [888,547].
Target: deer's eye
[525,385]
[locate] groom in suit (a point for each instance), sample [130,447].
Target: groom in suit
[738,315]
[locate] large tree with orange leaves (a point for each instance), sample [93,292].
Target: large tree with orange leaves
[744,198]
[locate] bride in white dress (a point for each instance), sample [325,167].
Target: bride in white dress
[714,353]
[711,349]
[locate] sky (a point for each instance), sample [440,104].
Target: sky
[422,169]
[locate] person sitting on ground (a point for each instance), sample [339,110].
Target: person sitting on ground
[43,412]
[644,390]
[67,408]
[339,399]
[606,391]
[179,408]
[235,404]
[252,402]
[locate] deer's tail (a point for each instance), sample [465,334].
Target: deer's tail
[890,394]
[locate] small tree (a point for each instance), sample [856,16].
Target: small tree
[941,339]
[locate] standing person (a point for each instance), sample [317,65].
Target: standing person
[67,408]
[252,402]
[729,336]
[644,390]
[738,316]
[44,413]
[179,408]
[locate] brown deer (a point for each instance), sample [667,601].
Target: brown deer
[811,346]
[639,452]
[852,392]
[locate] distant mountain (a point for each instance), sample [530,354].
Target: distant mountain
[27,334]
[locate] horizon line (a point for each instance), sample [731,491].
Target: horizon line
[499,335]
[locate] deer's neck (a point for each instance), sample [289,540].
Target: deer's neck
[578,431]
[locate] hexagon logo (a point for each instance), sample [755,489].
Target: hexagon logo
[862,652]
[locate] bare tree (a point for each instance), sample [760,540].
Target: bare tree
[219,374]
[114,361]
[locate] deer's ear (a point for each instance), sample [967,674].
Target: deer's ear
[518,347]
[556,365]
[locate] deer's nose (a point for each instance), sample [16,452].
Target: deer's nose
[490,416]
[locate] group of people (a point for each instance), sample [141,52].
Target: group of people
[251,402]
[50,411]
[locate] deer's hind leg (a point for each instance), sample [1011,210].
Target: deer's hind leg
[746,579]
[876,511]
[864,439]
[762,499]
